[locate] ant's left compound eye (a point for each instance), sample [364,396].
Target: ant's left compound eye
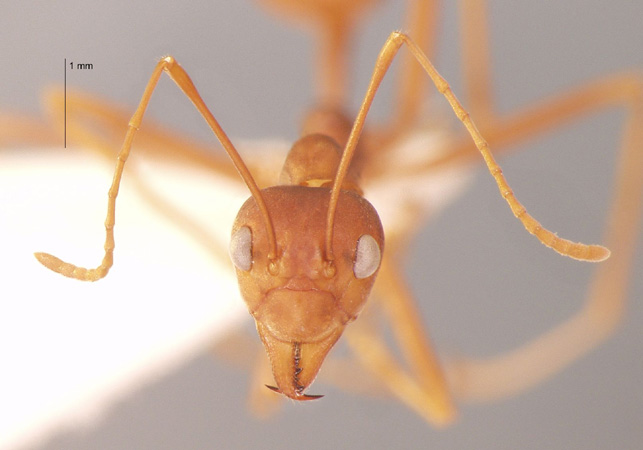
[241,249]
[367,257]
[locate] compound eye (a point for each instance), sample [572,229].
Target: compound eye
[241,249]
[367,257]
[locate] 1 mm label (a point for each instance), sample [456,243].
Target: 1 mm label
[81,66]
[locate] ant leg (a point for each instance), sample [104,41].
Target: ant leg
[606,298]
[410,334]
[422,18]
[97,124]
[334,22]
[24,130]
[541,117]
[423,388]
[476,60]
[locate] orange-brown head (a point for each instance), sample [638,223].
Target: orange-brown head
[300,306]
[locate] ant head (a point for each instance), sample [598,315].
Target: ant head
[300,307]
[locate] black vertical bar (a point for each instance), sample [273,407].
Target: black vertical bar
[65,102]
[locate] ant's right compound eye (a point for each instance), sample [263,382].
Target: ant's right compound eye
[367,257]
[241,249]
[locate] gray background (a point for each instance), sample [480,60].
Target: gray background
[254,72]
